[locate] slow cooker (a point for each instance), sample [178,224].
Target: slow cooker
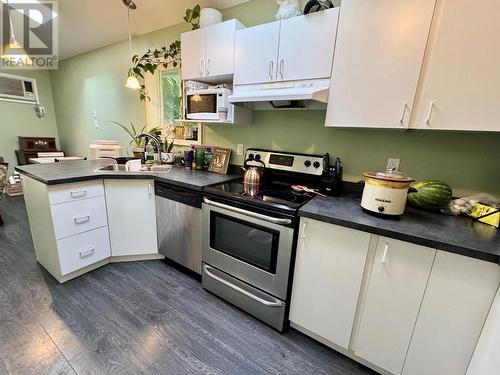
[385,193]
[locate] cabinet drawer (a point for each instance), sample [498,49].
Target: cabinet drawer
[82,250]
[76,191]
[77,217]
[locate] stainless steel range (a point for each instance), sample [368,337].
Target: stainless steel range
[249,233]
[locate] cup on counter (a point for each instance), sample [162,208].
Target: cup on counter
[200,157]
[188,158]
[133,165]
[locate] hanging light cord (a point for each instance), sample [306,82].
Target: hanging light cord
[11,36]
[129,35]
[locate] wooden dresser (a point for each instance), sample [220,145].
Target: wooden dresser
[29,147]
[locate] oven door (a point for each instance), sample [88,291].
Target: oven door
[202,106]
[252,247]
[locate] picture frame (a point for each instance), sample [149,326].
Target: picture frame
[220,160]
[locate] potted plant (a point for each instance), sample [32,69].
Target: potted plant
[136,145]
[167,156]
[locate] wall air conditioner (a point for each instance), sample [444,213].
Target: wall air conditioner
[18,89]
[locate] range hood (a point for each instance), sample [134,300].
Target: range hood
[311,94]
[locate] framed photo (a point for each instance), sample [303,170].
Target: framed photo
[220,160]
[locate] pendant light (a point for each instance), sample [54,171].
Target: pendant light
[132,81]
[14,48]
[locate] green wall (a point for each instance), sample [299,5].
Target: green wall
[468,161]
[18,119]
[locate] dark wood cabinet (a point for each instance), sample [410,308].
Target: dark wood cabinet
[29,147]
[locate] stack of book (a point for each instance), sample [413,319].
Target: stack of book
[14,187]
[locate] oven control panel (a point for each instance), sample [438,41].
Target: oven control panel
[290,162]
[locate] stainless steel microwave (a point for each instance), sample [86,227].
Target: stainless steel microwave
[208,104]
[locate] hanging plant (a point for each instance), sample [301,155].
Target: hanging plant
[164,56]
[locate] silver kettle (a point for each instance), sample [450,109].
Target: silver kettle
[253,174]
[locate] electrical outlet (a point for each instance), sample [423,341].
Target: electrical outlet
[393,164]
[240,149]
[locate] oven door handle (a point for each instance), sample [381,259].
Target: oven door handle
[255,215]
[241,290]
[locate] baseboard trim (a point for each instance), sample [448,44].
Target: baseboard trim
[80,272]
[135,258]
[339,349]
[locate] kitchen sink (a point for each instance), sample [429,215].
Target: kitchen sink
[144,168]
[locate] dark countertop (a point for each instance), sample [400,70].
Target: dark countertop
[458,235]
[84,170]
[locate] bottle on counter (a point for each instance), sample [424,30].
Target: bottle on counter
[150,153]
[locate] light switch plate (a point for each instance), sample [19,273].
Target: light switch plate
[240,149]
[393,164]
[96,121]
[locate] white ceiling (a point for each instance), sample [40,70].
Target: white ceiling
[85,25]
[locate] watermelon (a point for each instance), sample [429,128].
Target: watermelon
[430,195]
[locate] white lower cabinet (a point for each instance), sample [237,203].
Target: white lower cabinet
[327,280]
[82,250]
[453,312]
[486,358]
[131,216]
[395,290]
[76,217]
[397,307]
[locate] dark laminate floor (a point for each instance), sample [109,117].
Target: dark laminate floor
[134,318]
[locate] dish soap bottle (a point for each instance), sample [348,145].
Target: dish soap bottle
[150,153]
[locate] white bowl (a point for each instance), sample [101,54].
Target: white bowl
[210,16]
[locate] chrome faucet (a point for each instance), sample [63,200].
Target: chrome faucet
[155,140]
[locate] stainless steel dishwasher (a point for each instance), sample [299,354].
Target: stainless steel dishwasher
[178,218]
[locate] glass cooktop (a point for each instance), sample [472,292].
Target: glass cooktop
[279,195]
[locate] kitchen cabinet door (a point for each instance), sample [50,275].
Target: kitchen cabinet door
[378,56]
[220,48]
[460,87]
[327,280]
[131,216]
[306,46]
[395,290]
[193,54]
[256,54]
[486,358]
[459,294]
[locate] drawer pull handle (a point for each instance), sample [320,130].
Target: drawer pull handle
[82,219]
[87,252]
[304,227]
[429,114]
[78,194]
[402,119]
[384,255]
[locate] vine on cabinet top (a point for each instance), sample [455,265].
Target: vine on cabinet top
[164,56]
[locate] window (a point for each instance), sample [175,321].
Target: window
[166,107]
[171,96]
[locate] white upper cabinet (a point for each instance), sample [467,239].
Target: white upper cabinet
[132,217]
[256,54]
[457,300]
[395,291]
[297,48]
[208,54]
[193,51]
[306,46]
[378,57]
[327,279]
[461,84]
